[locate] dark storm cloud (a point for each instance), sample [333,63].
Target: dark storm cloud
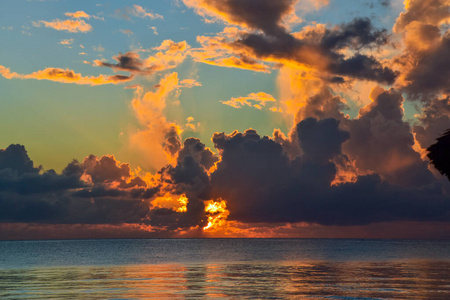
[190,174]
[431,74]
[105,169]
[15,158]
[363,67]
[425,61]
[370,200]
[189,177]
[433,122]
[265,15]
[30,183]
[267,37]
[63,208]
[261,184]
[18,174]
[321,140]
[356,35]
[129,62]
[255,176]
[101,190]
[172,143]
[249,174]
[195,148]
[112,196]
[383,143]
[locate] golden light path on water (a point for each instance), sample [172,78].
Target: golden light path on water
[256,280]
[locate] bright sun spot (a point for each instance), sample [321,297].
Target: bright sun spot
[217,214]
[183,200]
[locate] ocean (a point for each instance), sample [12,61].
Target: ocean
[225,269]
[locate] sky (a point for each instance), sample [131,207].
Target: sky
[223,118]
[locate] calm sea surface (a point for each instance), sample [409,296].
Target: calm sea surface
[225,269]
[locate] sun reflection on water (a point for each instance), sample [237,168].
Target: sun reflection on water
[278,280]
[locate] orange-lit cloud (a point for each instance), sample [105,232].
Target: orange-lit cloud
[170,54]
[424,27]
[78,15]
[158,142]
[296,86]
[66,25]
[433,12]
[66,76]
[256,100]
[189,83]
[337,53]
[216,50]
[331,176]
[66,42]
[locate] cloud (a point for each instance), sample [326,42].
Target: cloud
[170,54]
[15,158]
[184,195]
[98,191]
[321,50]
[265,15]
[189,83]
[66,42]
[66,25]
[330,170]
[429,75]
[158,141]
[301,190]
[154,29]
[66,76]
[433,121]
[78,15]
[74,24]
[321,140]
[216,51]
[265,38]
[136,11]
[434,12]
[383,143]
[322,105]
[257,100]
[102,190]
[127,32]
[424,27]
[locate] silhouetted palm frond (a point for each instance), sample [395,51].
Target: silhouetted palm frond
[439,154]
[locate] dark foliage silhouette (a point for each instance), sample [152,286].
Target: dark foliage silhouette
[439,154]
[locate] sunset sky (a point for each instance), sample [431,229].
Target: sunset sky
[223,118]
